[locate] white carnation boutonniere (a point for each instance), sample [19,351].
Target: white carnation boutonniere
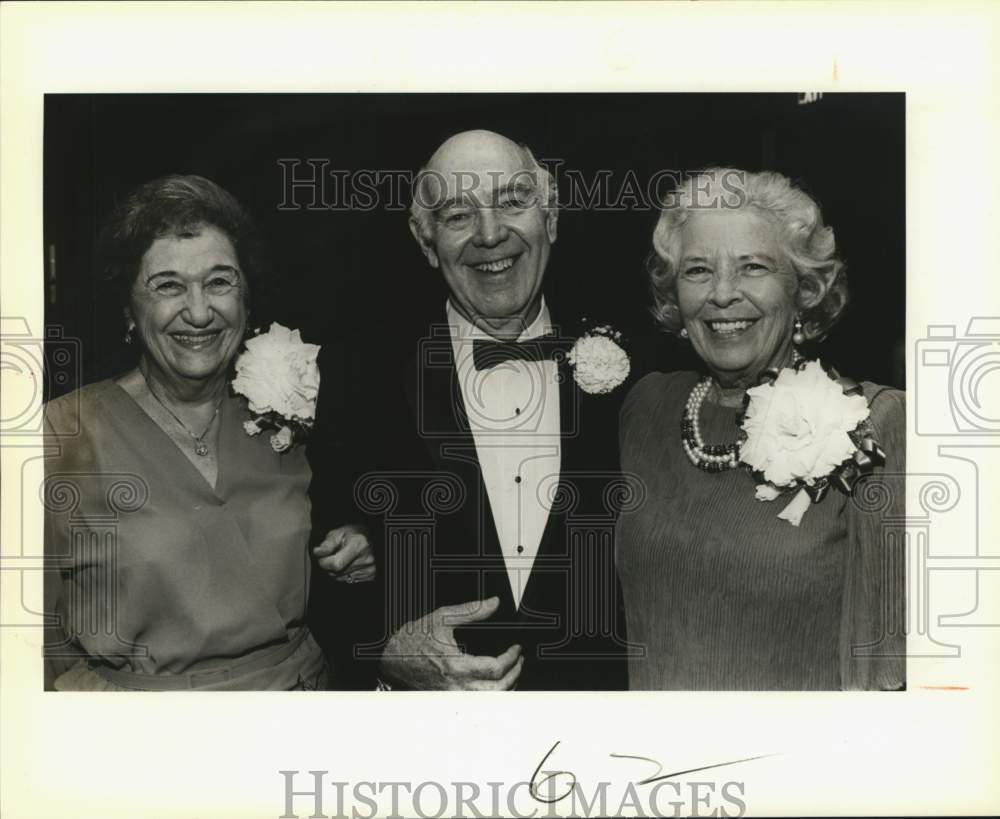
[807,430]
[278,375]
[598,360]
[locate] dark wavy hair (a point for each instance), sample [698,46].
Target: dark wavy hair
[807,243]
[177,206]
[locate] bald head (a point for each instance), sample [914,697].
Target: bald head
[474,149]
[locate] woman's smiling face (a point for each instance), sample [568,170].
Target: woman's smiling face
[188,305]
[736,293]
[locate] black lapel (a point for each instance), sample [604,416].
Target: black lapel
[435,399]
[440,420]
[551,558]
[588,458]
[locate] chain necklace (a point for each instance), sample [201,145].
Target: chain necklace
[200,447]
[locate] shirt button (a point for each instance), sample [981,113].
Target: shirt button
[517,479]
[517,410]
[520,549]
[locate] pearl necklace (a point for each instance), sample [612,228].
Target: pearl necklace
[713,457]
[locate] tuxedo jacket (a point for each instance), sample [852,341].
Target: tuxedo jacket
[416,482]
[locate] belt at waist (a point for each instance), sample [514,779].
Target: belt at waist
[201,679]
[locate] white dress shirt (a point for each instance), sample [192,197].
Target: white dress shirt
[513,411]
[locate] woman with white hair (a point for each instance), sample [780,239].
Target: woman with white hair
[764,557]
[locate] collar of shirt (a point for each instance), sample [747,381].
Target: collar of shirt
[464,332]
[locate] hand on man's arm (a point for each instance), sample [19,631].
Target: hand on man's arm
[423,654]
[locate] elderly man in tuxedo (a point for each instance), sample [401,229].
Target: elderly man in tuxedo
[493,492]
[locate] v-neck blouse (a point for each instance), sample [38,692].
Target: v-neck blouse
[161,572]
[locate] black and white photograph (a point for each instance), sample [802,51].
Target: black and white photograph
[566,423]
[564,383]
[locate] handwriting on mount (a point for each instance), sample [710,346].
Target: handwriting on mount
[658,776]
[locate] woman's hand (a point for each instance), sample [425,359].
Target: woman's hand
[346,554]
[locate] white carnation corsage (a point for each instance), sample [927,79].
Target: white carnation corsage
[598,360]
[806,429]
[278,375]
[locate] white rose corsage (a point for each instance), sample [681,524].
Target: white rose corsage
[598,360]
[278,375]
[806,429]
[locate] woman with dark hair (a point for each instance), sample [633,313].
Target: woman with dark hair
[764,556]
[182,538]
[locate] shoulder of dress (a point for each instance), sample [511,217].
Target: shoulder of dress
[887,404]
[67,411]
[658,386]
[887,416]
[88,392]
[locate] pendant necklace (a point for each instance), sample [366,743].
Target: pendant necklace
[200,447]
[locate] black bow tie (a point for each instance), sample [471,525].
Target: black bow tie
[486,354]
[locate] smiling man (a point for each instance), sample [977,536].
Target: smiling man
[492,491]
[484,214]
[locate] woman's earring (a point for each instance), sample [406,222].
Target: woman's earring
[128,333]
[798,337]
[683,333]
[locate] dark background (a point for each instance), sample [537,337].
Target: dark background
[352,279]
